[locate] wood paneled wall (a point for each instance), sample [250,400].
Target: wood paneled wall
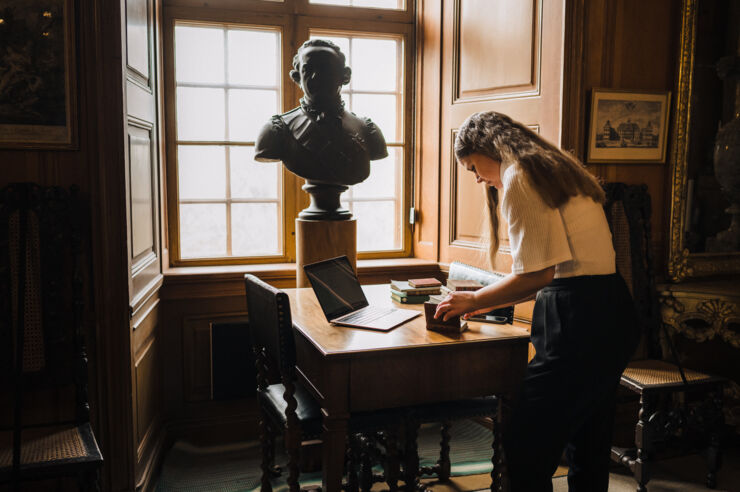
[629,45]
[621,44]
[505,57]
[122,316]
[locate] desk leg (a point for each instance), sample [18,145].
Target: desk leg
[497,473]
[334,446]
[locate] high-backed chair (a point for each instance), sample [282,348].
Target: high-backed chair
[665,387]
[42,336]
[287,407]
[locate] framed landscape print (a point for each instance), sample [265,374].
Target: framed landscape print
[37,74]
[628,126]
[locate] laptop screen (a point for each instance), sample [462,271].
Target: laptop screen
[336,286]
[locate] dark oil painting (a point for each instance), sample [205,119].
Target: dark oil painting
[32,63]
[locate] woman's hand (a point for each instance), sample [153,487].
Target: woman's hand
[456,303]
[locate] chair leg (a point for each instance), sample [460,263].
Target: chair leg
[411,455]
[89,480]
[713,453]
[267,443]
[498,471]
[293,448]
[393,460]
[353,458]
[366,464]
[444,466]
[643,441]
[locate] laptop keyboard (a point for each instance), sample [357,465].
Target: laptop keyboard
[367,314]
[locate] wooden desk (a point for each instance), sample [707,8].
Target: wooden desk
[350,370]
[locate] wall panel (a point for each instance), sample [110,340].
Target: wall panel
[505,57]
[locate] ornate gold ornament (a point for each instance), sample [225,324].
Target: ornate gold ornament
[681,263]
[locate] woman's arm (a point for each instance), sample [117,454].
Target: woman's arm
[513,288]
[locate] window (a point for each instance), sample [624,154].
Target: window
[227,74]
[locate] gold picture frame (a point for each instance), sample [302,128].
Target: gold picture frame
[682,263]
[628,126]
[38,108]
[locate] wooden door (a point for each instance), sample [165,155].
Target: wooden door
[143,165]
[506,56]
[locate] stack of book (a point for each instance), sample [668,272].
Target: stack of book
[414,291]
[458,285]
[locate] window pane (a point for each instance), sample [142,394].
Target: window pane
[202,230]
[248,111]
[331,2]
[384,174]
[200,114]
[254,228]
[199,54]
[380,108]
[376,225]
[381,4]
[375,64]
[202,172]
[250,179]
[253,57]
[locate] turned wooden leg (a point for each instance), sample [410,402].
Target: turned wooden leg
[353,485]
[293,448]
[366,464]
[714,452]
[411,455]
[643,442]
[393,460]
[444,453]
[267,443]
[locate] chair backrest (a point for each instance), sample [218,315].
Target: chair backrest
[271,327]
[41,289]
[628,209]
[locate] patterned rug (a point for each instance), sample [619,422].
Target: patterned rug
[233,468]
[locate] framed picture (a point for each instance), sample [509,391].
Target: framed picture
[37,75]
[628,126]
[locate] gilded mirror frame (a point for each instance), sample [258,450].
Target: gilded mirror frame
[682,264]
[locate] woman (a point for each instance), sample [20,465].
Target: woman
[584,327]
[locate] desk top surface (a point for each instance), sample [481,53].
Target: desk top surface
[335,341]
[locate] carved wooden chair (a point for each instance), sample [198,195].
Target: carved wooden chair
[678,407]
[288,408]
[42,339]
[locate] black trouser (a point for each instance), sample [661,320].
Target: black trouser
[584,330]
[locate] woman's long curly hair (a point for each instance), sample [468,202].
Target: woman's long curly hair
[554,174]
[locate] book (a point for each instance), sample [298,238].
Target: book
[409,299]
[403,287]
[424,282]
[456,284]
[452,325]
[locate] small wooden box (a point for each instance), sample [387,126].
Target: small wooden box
[452,325]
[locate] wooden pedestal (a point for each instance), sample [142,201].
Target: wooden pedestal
[318,240]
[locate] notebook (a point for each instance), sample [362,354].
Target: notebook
[343,301]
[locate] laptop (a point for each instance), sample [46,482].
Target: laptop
[343,301]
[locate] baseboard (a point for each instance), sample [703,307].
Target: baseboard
[148,466]
[215,429]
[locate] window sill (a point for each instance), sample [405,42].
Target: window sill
[225,280]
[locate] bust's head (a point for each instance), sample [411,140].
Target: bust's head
[318,67]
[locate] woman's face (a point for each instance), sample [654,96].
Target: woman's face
[486,169]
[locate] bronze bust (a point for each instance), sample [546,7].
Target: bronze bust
[319,141]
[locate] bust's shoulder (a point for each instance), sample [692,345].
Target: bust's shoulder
[374,139]
[271,139]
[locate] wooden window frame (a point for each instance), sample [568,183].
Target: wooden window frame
[293,18]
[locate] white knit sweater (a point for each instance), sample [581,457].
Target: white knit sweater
[574,237]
